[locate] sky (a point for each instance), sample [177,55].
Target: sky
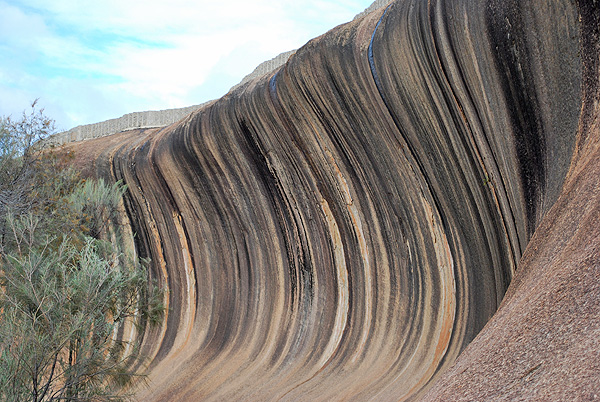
[89,61]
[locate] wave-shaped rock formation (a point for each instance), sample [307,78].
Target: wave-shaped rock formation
[344,227]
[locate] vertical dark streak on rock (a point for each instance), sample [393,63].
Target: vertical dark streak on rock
[372,61]
[478,147]
[589,13]
[507,32]
[275,193]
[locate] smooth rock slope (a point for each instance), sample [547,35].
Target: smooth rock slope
[344,227]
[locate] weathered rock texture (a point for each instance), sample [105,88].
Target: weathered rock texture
[344,227]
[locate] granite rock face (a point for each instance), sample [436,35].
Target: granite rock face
[408,208]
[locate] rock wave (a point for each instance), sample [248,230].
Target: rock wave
[343,227]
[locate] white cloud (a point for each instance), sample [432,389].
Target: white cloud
[115,56]
[18,28]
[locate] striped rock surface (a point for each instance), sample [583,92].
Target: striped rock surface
[344,227]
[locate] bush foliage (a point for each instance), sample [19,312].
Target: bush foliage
[68,288]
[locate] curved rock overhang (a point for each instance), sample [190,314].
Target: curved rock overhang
[342,228]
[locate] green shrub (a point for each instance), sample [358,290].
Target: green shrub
[67,284]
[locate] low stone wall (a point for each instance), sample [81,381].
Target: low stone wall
[148,119]
[266,67]
[374,6]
